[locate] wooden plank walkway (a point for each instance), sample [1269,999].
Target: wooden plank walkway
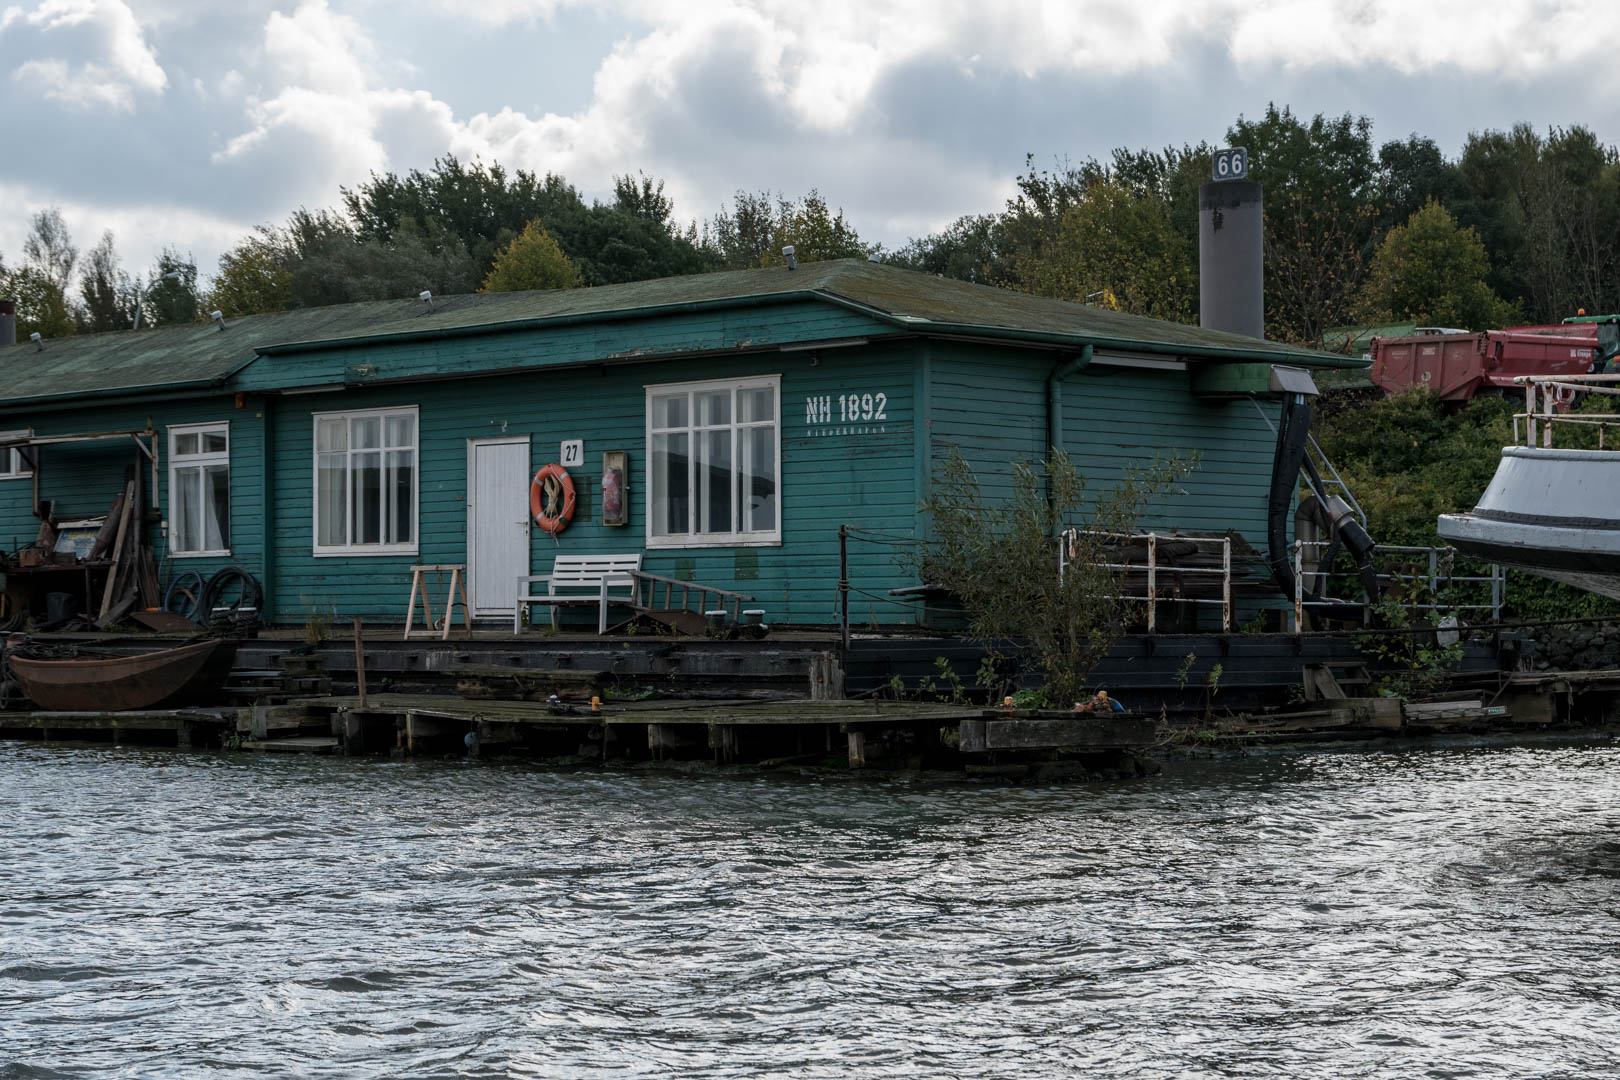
[687,726]
[748,712]
[188,726]
[298,744]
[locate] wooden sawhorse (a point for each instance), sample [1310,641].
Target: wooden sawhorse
[420,586]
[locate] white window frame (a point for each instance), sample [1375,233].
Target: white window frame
[352,550]
[16,466]
[772,538]
[178,461]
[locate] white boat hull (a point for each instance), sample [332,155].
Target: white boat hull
[1555,513]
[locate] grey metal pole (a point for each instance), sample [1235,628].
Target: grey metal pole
[843,583]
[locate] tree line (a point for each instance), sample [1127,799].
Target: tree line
[453,228]
[1519,227]
[60,290]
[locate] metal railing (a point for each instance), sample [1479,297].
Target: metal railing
[1067,552]
[1439,579]
[1547,399]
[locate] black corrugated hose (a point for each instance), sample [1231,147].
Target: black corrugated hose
[1293,438]
[1293,432]
[208,599]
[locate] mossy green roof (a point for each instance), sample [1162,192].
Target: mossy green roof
[200,355]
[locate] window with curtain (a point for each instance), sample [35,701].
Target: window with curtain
[713,463]
[200,489]
[14,460]
[366,482]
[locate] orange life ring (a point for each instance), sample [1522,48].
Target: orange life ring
[551,498]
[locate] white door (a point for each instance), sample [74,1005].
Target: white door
[497,523]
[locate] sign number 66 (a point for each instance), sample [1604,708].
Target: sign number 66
[1232,164]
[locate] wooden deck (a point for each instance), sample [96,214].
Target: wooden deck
[748,712]
[174,727]
[503,708]
[729,730]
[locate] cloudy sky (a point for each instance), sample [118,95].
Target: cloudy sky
[188,122]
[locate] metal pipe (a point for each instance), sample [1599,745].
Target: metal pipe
[1153,583]
[1054,396]
[1054,412]
[1226,583]
[172,275]
[843,583]
[1299,587]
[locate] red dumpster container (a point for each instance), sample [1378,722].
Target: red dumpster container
[1458,366]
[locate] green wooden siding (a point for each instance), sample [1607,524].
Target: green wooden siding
[81,479]
[1118,417]
[831,473]
[17,523]
[588,381]
[1114,418]
[992,405]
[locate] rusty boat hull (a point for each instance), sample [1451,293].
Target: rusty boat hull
[103,683]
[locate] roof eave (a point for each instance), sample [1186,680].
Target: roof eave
[1102,341]
[1267,353]
[103,393]
[212,382]
[540,323]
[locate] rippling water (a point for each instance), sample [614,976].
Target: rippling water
[1444,913]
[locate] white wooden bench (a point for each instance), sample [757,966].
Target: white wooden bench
[581,581]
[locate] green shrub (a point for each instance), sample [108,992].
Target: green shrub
[999,559]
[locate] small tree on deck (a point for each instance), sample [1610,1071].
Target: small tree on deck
[1000,559]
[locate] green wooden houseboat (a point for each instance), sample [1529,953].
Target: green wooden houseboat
[329,450]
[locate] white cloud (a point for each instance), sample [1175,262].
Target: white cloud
[317,49]
[331,131]
[317,129]
[110,61]
[1515,40]
[827,52]
[501,12]
[907,113]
